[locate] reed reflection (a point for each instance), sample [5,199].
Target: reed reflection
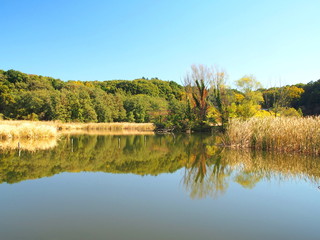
[28,144]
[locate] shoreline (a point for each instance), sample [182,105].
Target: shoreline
[17,129]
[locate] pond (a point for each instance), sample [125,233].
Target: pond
[155,187]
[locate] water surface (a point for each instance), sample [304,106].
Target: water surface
[156,187]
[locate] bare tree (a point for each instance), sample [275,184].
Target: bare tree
[197,83]
[202,81]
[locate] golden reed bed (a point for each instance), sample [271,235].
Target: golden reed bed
[26,130]
[42,129]
[282,134]
[106,132]
[116,126]
[36,135]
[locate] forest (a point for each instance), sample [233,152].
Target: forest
[203,99]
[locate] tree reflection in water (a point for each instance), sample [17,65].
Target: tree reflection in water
[205,173]
[208,169]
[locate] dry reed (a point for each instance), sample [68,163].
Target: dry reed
[45,129]
[106,133]
[26,130]
[278,134]
[117,126]
[32,135]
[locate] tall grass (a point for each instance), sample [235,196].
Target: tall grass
[106,132]
[37,135]
[26,130]
[279,134]
[116,126]
[39,129]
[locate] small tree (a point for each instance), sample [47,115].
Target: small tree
[206,88]
[197,84]
[220,97]
[249,104]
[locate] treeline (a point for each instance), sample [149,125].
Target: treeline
[33,97]
[204,99]
[304,97]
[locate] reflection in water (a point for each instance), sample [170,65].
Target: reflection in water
[28,144]
[252,166]
[103,132]
[205,175]
[208,169]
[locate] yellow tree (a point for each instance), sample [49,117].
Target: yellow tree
[249,105]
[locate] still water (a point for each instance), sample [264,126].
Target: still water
[155,187]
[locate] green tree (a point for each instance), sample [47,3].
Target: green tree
[281,99]
[220,97]
[310,99]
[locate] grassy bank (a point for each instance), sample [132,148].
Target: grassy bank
[278,134]
[41,129]
[117,126]
[14,130]
[106,133]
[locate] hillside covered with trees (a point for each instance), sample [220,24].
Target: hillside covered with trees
[204,99]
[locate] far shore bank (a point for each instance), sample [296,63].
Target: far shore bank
[281,134]
[20,129]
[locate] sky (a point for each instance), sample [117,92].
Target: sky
[276,41]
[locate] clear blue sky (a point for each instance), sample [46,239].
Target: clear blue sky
[277,41]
